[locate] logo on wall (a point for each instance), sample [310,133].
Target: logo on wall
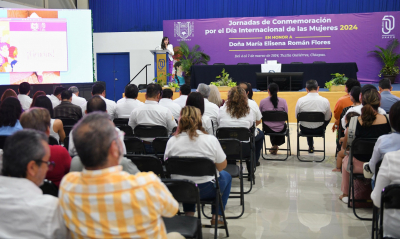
[161,64]
[387,26]
[183,30]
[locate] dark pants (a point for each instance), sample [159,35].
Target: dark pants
[275,140]
[318,130]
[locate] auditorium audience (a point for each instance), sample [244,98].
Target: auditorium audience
[236,112]
[166,101]
[129,102]
[152,114]
[344,101]
[36,95]
[358,108]
[215,96]
[210,109]
[10,112]
[39,119]
[388,142]
[274,103]
[313,102]
[196,99]
[183,92]
[99,90]
[192,140]
[25,211]
[371,124]
[76,99]
[56,125]
[66,109]
[8,93]
[56,96]
[387,98]
[23,95]
[141,199]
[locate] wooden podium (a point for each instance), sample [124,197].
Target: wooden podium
[161,63]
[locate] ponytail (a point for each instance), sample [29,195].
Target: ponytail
[371,102]
[273,90]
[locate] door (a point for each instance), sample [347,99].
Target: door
[113,68]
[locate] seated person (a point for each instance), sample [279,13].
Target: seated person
[210,109]
[36,95]
[313,102]
[184,91]
[389,173]
[370,124]
[24,90]
[388,142]
[56,125]
[99,90]
[39,119]
[56,96]
[340,155]
[192,140]
[8,93]
[166,101]
[215,96]
[196,99]
[26,212]
[10,111]
[274,103]
[76,99]
[130,102]
[387,98]
[66,109]
[134,203]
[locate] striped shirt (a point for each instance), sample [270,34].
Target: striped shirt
[110,203]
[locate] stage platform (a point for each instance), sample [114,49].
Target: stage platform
[290,97]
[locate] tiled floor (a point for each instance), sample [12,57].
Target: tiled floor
[293,199]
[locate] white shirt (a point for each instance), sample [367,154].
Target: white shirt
[126,105]
[389,173]
[226,120]
[170,50]
[111,107]
[313,102]
[52,133]
[25,101]
[358,110]
[173,107]
[202,146]
[181,100]
[255,109]
[211,110]
[151,113]
[206,122]
[27,213]
[54,100]
[79,101]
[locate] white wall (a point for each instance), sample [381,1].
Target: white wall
[138,44]
[7,4]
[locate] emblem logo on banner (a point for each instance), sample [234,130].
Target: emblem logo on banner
[387,26]
[183,30]
[161,64]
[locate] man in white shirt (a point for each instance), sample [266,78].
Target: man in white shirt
[184,92]
[210,109]
[26,212]
[167,102]
[129,102]
[56,96]
[76,99]
[152,114]
[313,102]
[358,108]
[23,96]
[98,89]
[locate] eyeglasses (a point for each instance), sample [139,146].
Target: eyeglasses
[50,164]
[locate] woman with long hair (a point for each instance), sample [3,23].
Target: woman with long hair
[196,99]
[36,95]
[56,125]
[168,47]
[215,96]
[192,140]
[370,124]
[274,103]
[8,93]
[178,73]
[10,112]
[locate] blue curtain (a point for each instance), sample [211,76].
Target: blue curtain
[148,15]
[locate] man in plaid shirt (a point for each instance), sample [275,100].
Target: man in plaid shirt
[103,201]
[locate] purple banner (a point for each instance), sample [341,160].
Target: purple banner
[331,38]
